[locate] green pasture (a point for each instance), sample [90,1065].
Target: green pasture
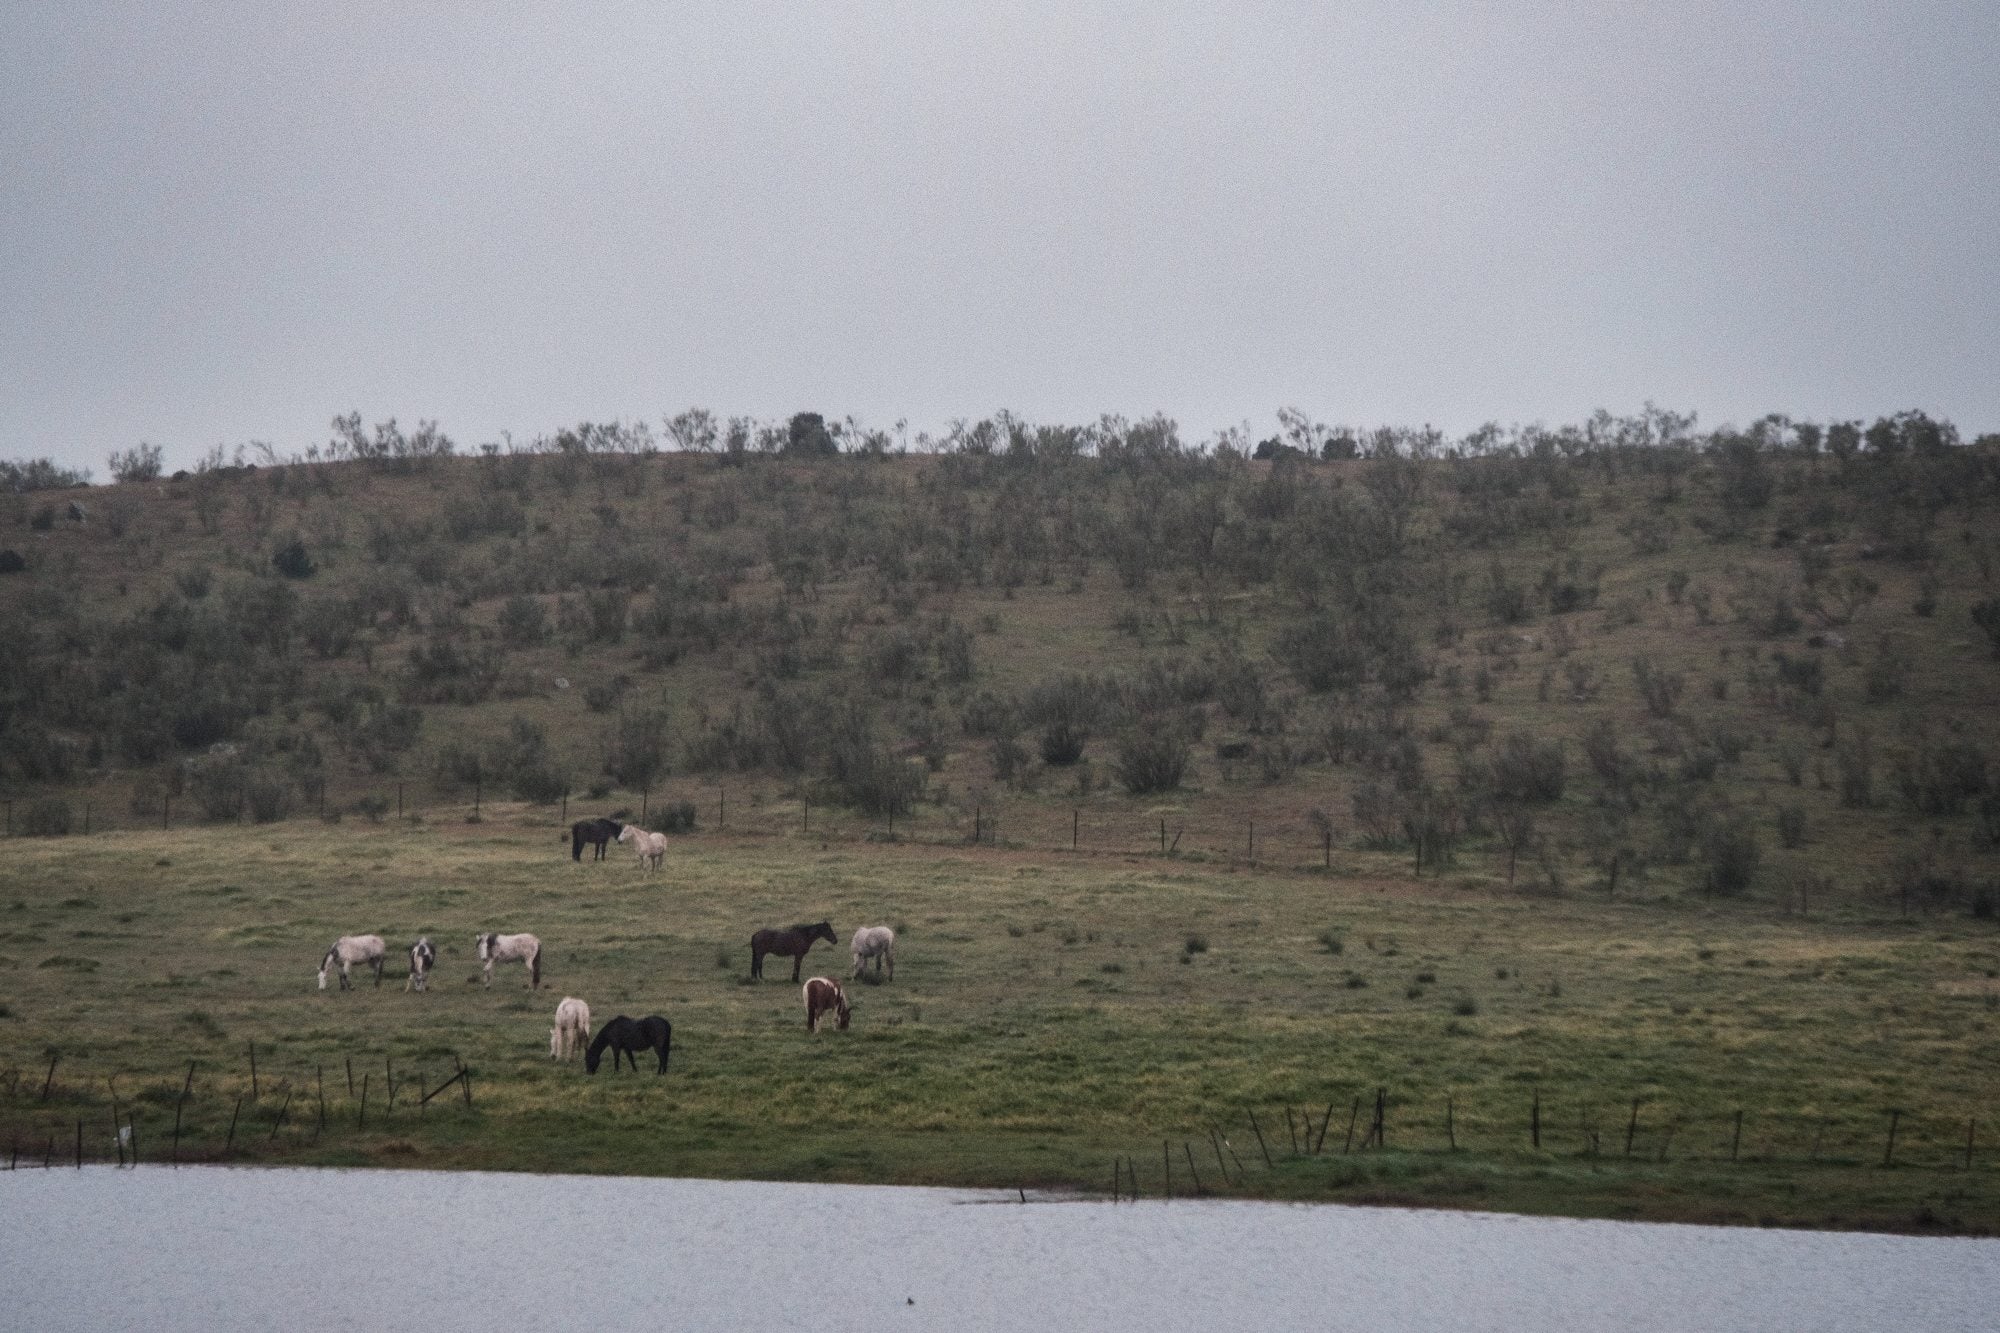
[1050,1013]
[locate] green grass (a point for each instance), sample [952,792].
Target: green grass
[1048,1014]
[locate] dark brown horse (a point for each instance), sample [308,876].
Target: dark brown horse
[791,942]
[598,831]
[627,1037]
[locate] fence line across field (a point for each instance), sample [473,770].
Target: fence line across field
[41,1113]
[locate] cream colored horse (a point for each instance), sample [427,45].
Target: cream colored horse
[572,1030]
[877,942]
[652,847]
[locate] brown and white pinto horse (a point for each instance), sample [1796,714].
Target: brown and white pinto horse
[823,997]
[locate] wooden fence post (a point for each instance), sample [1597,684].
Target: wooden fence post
[1450,1129]
[1736,1139]
[1260,1140]
[1192,1171]
[1632,1127]
[253,1071]
[1535,1122]
[1889,1153]
[49,1082]
[1167,1167]
[231,1143]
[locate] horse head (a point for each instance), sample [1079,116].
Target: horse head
[324,964]
[822,931]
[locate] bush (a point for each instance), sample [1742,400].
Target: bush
[293,560]
[1792,826]
[268,796]
[1986,615]
[1152,760]
[675,817]
[1062,743]
[139,463]
[523,622]
[48,817]
[1661,689]
[1524,769]
[1731,855]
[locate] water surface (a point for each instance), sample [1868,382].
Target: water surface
[215,1248]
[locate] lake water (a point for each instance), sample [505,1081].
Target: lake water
[214,1248]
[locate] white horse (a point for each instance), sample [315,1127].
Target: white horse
[349,950]
[652,847]
[422,959]
[877,942]
[511,949]
[572,1029]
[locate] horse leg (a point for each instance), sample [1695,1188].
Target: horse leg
[378,974]
[797,959]
[756,962]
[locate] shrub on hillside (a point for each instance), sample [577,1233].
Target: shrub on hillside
[675,817]
[293,560]
[47,817]
[1525,769]
[1730,855]
[1152,759]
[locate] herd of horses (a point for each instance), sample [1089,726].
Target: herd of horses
[625,1037]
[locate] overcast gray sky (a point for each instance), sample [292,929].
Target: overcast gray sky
[224,223]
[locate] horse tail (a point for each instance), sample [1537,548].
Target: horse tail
[535,968]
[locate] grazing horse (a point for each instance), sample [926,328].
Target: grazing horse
[627,1037]
[597,831]
[650,846]
[511,949]
[572,1028]
[824,996]
[791,942]
[422,959]
[877,942]
[349,950]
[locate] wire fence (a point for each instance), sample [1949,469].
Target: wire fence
[63,1114]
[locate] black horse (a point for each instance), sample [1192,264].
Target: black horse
[599,831]
[791,942]
[627,1037]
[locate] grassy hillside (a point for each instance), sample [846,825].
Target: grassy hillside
[1758,664]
